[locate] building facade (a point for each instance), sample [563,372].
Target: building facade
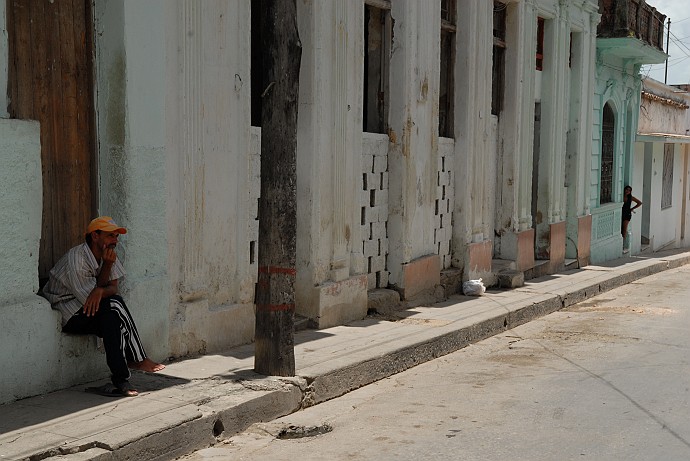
[630,34]
[660,168]
[437,142]
[543,132]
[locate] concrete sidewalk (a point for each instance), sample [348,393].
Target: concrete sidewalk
[193,402]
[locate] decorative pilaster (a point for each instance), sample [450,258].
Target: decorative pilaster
[192,172]
[342,187]
[528,23]
[553,127]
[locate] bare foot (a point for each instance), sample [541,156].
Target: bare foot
[146,365]
[127,390]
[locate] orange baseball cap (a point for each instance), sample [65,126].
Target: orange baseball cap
[105,223]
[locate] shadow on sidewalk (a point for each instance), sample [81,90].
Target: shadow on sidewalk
[42,409]
[301,337]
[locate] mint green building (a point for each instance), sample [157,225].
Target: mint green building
[630,34]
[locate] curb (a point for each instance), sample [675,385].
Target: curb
[342,381]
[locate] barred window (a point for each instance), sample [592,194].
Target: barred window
[607,148]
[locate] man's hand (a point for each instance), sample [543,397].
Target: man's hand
[93,302]
[109,256]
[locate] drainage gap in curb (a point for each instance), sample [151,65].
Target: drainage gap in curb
[298,432]
[218,428]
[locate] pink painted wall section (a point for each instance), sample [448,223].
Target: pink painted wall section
[525,250]
[480,256]
[557,246]
[584,239]
[420,275]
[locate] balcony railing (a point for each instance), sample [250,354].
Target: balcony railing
[631,18]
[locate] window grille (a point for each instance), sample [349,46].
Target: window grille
[607,148]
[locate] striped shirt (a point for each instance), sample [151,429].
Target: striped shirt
[73,278]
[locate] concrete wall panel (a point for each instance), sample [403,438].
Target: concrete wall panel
[21,201]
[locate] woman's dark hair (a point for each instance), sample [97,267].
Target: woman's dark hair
[627,187]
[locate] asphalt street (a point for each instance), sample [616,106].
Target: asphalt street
[606,379]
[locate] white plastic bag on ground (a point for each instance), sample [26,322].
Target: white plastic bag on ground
[473,288]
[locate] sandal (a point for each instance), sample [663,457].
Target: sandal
[127,390]
[110,390]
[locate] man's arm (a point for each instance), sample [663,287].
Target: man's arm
[97,294]
[104,286]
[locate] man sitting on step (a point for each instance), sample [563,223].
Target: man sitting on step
[83,287]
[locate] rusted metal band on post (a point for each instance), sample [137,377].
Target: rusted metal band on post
[275,307]
[277,270]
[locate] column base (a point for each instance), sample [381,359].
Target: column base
[552,248]
[583,241]
[337,303]
[420,276]
[478,262]
[518,247]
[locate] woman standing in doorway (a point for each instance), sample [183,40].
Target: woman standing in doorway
[628,209]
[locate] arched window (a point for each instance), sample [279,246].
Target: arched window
[607,147]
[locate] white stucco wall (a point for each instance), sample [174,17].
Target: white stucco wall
[413,118]
[473,126]
[564,88]
[179,162]
[637,183]
[31,330]
[212,167]
[329,139]
[21,194]
[685,194]
[189,201]
[130,53]
[332,267]
[516,127]
[177,167]
[664,224]
[663,118]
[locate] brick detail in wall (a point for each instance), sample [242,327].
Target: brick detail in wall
[374,215]
[443,206]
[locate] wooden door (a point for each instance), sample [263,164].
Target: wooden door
[51,80]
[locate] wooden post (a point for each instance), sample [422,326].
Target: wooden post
[281,53]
